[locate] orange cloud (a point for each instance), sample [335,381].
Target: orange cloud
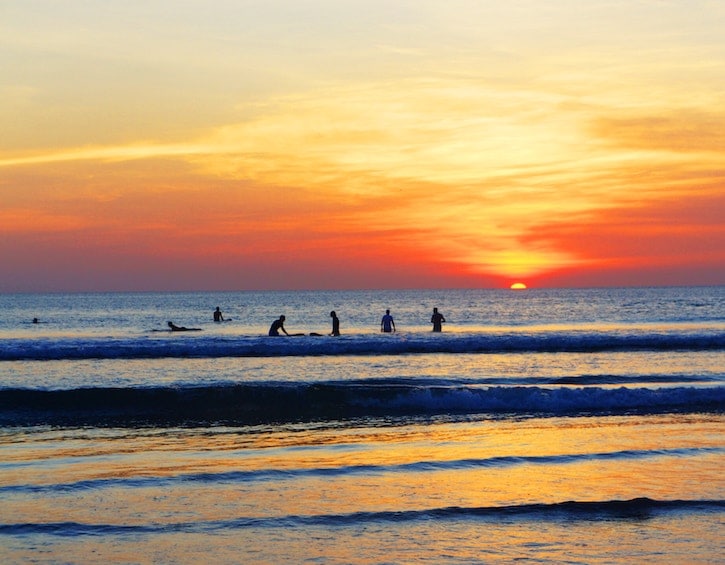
[683,131]
[456,177]
[685,234]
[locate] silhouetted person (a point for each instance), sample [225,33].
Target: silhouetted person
[175,328]
[218,315]
[437,320]
[335,324]
[35,320]
[387,324]
[278,325]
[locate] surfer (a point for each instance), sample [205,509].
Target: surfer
[437,320]
[387,324]
[335,324]
[175,328]
[276,326]
[218,317]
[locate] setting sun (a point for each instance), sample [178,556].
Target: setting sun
[275,151]
[518,286]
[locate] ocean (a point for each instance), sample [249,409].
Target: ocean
[540,426]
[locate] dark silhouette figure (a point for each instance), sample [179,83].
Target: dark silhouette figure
[278,325]
[387,324]
[437,320]
[35,320]
[175,328]
[335,324]
[218,317]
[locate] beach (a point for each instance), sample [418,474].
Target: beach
[546,425]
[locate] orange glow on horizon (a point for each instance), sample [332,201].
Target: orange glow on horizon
[430,161]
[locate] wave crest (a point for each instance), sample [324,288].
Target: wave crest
[247,404]
[200,346]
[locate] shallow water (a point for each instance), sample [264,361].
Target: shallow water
[587,429]
[445,490]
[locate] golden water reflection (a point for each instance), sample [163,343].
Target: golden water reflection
[183,475]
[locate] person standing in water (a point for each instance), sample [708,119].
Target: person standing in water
[387,324]
[335,323]
[218,317]
[278,325]
[437,320]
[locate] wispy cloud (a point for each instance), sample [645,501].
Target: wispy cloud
[472,168]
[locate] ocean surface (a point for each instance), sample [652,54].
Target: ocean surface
[541,426]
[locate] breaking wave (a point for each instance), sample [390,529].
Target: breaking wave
[152,346]
[248,404]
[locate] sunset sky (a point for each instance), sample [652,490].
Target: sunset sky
[310,144]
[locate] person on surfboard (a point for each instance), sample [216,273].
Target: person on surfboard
[175,328]
[218,317]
